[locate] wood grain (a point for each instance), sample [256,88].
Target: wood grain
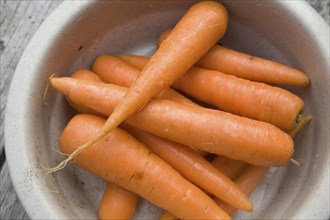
[18,22]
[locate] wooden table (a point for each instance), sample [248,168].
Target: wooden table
[19,19]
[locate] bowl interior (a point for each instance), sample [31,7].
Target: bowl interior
[77,32]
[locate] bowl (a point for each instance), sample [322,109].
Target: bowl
[78,31]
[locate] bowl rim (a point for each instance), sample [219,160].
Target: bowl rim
[14,117]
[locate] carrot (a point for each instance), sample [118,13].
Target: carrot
[121,159]
[85,75]
[194,168]
[247,181]
[248,67]
[239,96]
[136,61]
[302,122]
[242,97]
[231,168]
[205,129]
[115,71]
[251,177]
[117,203]
[200,27]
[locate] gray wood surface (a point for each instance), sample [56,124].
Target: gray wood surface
[19,19]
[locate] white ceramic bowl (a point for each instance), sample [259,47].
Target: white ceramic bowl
[77,31]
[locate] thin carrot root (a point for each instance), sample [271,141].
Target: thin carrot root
[44,185]
[80,149]
[302,121]
[59,152]
[44,96]
[295,162]
[45,168]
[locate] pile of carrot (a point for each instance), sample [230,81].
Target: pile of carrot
[140,128]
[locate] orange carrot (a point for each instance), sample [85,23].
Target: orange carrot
[200,27]
[247,181]
[194,168]
[250,178]
[85,75]
[248,67]
[136,61]
[115,71]
[205,129]
[121,159]
[117,203]
[302,122]
[231,168]
[240,96]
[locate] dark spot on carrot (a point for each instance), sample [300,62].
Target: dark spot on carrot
[251,57]
[136,176]
[210,157]
[108,139]
[82,183]
[80,47]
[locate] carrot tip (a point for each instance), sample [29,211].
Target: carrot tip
[46,89]
[45,187]
[301,122]
[307,82]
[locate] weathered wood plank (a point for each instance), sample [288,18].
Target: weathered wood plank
[10,207]
[322,7]
[18,22]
